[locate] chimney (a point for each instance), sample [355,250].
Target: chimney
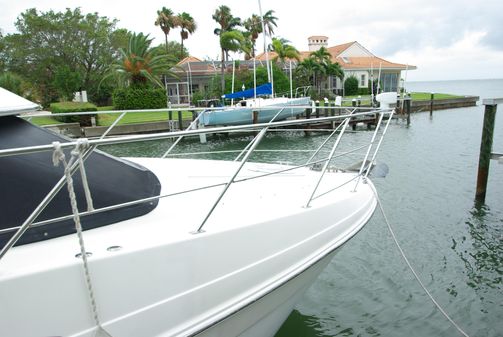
[316,42]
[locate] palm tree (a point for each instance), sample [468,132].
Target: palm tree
[284,50]
[166,21]
[321,56]
[139,63]
[269,22]
[253,27]
[309,68]
[230,38]
[187,25]
[325,68]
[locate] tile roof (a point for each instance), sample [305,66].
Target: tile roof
[361,62]
[189,59]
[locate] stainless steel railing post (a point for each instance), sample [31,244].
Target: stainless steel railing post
[255,142]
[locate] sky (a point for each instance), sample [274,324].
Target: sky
[445,40]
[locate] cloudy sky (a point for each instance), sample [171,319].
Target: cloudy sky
[446,40]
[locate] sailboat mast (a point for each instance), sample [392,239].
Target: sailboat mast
[265,42]
[291,86]
[254,80]
[233,73]
[272,82]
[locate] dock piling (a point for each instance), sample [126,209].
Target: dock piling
[432,97]
[407,109]
[308,116]
[180,121]
[317,109]
[486,144]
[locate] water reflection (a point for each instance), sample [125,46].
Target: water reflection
[300,325]
[482,252]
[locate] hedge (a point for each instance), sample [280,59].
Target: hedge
[139,98]
[351,86]
[65,107]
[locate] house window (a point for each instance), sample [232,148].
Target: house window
[363,82]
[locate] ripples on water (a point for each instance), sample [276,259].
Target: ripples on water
[457,249]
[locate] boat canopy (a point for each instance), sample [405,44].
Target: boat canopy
[264,89]
[27,178]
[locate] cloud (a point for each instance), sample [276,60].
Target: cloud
[420,32]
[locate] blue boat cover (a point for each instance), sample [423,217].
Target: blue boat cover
[264,89]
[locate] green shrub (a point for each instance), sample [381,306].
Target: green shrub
[139,98]
[363,91]
[66,107]
[351,86]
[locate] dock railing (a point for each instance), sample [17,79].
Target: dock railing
[343,120]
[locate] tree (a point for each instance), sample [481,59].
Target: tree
[253,26]
[319,66]
[175,51]
[47,41]
[66,81]
[351,86]
[284,50]
[165,20]
[140,64]
[230,38]
[269,22]
[187,26]
[321,56]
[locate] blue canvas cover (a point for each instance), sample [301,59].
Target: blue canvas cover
[264,89]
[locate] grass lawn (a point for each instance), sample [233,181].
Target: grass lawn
[139,117]
[426,96]
[46,120]
[144,117]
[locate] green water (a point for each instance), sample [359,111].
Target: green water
[456,248]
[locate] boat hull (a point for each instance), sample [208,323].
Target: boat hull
[154,276]
[244,115]
[265,316]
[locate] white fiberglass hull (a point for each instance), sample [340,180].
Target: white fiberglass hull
[267,109]
[260,250]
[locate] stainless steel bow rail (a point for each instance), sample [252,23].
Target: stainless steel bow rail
[244,155]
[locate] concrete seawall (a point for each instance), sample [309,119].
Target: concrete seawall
[442,104]
[73,129]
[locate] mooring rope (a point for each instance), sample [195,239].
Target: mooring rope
[57,157]
[416,276]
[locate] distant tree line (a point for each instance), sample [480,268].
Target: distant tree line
[54,54]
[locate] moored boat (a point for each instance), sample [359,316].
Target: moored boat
[252,100]
[171,247]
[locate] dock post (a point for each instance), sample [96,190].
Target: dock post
[486,144]
[407,109]
[308,116]
[180,120]
[317,109]
[353,102]
[432,97]
[255,117]
[332,113]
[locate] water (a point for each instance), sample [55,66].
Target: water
[428,195]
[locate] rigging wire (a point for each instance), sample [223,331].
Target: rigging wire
[416,276]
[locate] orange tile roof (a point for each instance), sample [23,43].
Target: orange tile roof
[189,59]
[336,50]
[362,62]
[367,62]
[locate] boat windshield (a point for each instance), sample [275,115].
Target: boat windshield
[26,179]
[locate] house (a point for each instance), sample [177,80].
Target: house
[354,59]
[197,75]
